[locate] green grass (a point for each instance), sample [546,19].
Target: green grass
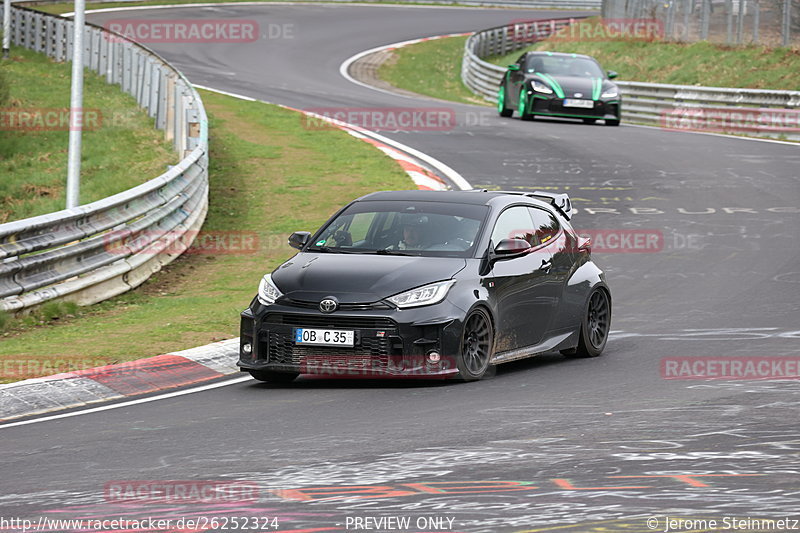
[431,68]
[124,149]
[4,91]
[270,174]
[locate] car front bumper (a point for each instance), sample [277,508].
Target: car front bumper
[388,342]
[604,110]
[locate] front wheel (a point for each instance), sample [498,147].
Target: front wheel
[522,108]
[270,376]
[501,103]
[614,122]
[477,346]
[595,326]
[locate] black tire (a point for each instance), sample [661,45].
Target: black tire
[595,325]
[501,103]
[477,346]
[269,376]
[522,107]
[589,120]
[614,122]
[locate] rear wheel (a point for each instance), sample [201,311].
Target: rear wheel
[522,108]
[589,120]
[477,346]
[501,103]
[269,376]
[595,326]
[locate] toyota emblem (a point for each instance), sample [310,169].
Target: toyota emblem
[328,305]
[578,95]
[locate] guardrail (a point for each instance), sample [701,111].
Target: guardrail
[96,251]
[484,78]
[535,4]
[762,113]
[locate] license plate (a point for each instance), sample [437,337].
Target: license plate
[573,102]
[324,337]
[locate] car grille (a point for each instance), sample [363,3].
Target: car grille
[330,321]
[342,306]
[557,106]
[373,353]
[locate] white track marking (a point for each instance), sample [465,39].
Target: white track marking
[268,3]
[128,403]
[350,60]
[451,174]
[345,66]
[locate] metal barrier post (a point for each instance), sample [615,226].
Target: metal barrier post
[786,23]
[76,110]
[6,28]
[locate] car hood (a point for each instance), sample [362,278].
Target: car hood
[359,278]
[576,84]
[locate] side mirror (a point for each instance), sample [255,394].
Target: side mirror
[513,67]
[298,239]
[510,247]
[612,74]
[505,249]
[584,245]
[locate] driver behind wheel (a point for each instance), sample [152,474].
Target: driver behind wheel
[414,228]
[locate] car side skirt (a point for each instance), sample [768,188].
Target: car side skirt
[556,342]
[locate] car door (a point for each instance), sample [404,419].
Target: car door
[558,252]
[515,81]
[519,285]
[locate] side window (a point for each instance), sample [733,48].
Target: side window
[514,223]
[545,225]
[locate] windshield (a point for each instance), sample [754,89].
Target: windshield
[563,66]
[403,228]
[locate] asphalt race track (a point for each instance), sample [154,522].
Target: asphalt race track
[548,444]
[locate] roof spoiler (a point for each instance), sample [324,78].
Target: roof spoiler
[560,201]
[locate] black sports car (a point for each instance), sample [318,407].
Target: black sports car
[559,85]
[429,284]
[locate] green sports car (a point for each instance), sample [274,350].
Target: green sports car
[559,85]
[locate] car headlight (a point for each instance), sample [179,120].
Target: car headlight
[267,291]
[540,87]
[611,93]
[427,295]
